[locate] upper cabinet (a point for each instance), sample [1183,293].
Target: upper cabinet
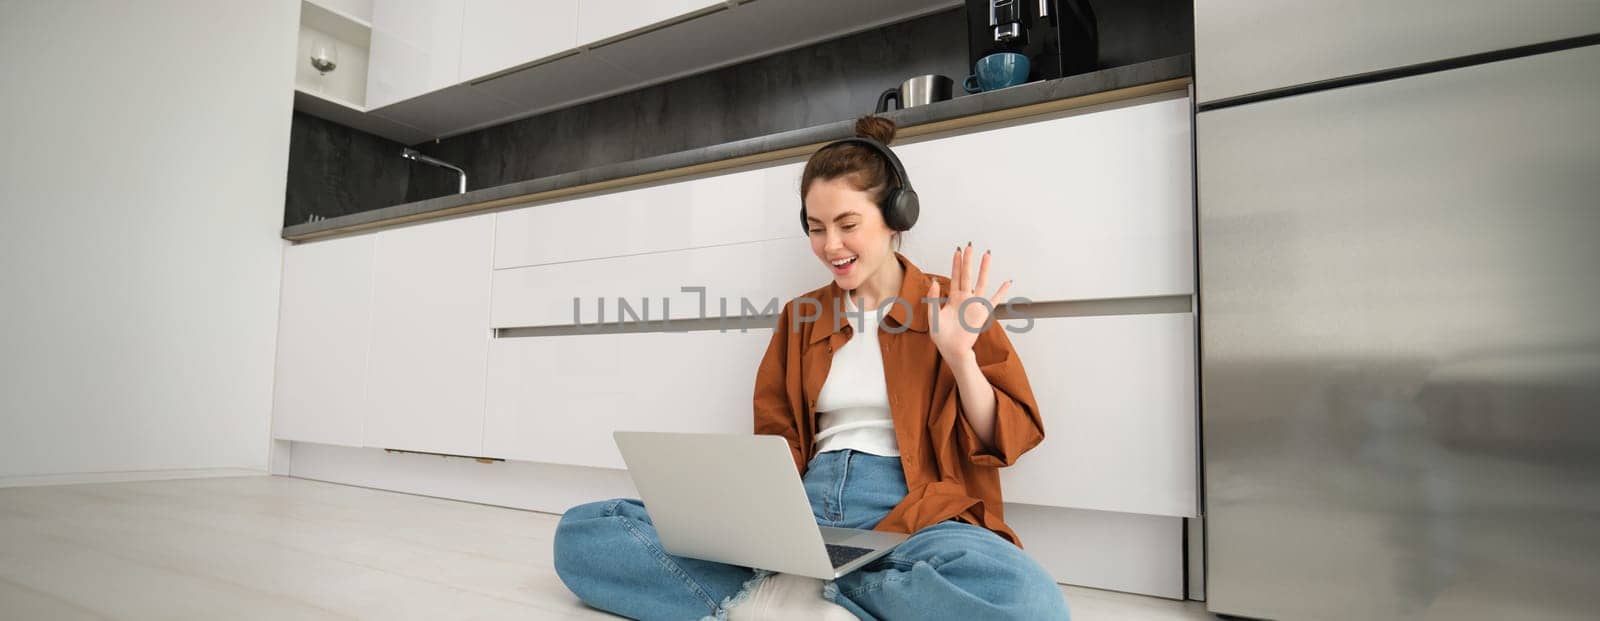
[416,48]
[1248,47]
[358,9]
[500,34]
[602,19]
[411,70]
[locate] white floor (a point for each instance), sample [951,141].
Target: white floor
[282,548]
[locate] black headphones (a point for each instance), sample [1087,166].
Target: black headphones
[900,206]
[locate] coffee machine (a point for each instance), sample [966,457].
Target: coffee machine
[1059,37]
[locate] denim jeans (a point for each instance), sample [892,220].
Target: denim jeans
[608,554]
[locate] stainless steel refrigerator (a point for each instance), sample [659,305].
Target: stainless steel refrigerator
[1400,336]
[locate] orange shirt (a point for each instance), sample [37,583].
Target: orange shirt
[949,473]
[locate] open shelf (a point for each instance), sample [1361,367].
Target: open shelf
[340,96]
[347,83]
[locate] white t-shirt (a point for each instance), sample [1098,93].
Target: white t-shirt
[853,406]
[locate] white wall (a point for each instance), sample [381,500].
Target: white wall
[142,166]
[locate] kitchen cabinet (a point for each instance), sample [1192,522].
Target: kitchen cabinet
[501,34]
[1125,552]
[1090,211]
[603,19]
[1117,394]
[416,49]
[1117,390]
[1076,206]
[637,221]
[445,67]
[738,207]
[542,295]
[746,31]
[351,36]
[341,95]
[430,336]
[324,329]
[357,9]
[557,399]
[424,46]
[1121,224]
[1248,47]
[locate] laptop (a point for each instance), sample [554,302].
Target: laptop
[737,499]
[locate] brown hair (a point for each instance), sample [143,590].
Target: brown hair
[866,169]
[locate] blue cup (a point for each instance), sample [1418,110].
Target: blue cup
[997,71]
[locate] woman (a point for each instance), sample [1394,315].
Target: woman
[904,431]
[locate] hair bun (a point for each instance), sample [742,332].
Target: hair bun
[876,128]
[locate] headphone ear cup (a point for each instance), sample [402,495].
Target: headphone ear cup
[804,226]
[901,208]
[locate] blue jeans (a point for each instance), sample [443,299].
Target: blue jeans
[608,554]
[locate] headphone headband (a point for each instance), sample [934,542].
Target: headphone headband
[894,162]
[900,206]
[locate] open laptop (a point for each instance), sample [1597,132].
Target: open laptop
[737,499]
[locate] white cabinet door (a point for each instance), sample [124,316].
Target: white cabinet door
[1248,47]
[430,336]
[1077,206]
[556,399]
[599,19]
[324,325]
[359,9]
[500,34]
[739,207]
[637,221]
[760,274]
[416,49]
[1118,398]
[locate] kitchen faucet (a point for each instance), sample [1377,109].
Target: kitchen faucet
[414,155]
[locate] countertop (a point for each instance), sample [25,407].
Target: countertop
[1104,86]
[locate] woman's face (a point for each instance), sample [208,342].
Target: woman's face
[844,223]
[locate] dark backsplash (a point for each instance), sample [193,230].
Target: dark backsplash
[334,170]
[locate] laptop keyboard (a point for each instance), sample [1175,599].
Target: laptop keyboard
[844,554]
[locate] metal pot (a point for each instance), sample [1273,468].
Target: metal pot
[923,89]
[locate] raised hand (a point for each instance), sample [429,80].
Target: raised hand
[955,324]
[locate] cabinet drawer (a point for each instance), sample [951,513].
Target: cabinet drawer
[1079,206]
[731,208]
[1076,207]
[1118,398]
[556,399]
[1117,393]
[761,272]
